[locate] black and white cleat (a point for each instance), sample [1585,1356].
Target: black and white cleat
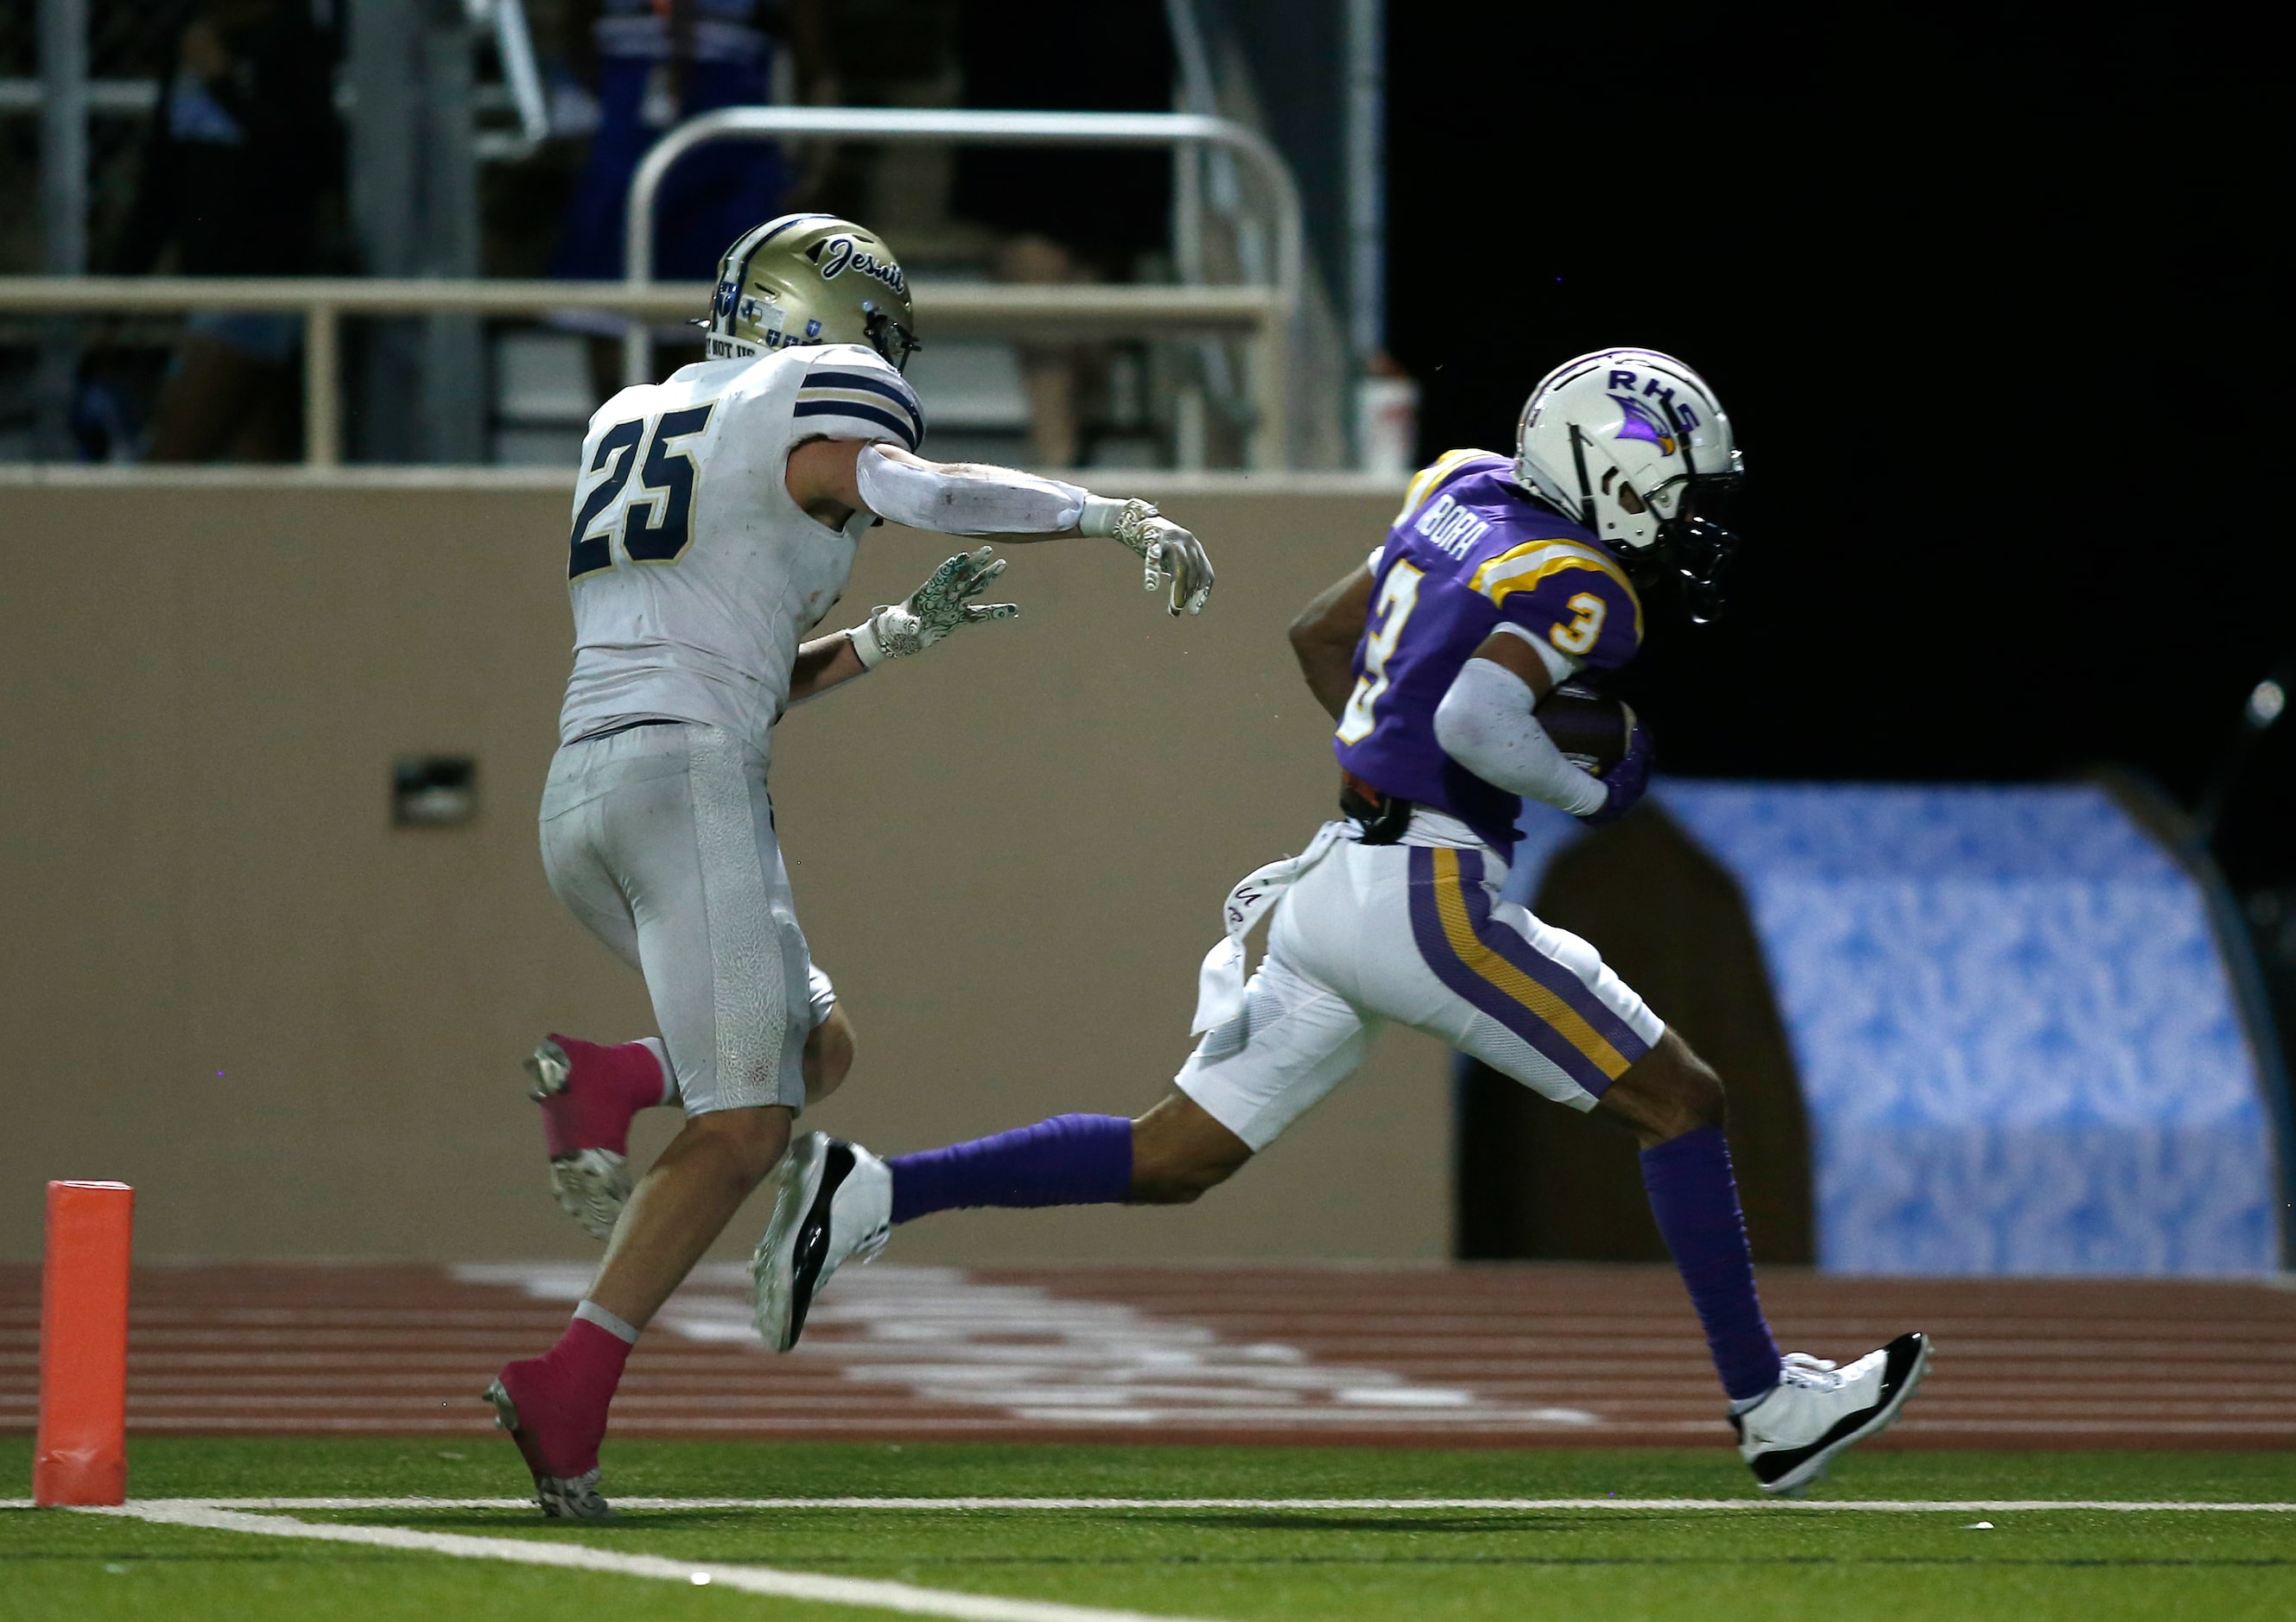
[1816,1410]
[832,1204]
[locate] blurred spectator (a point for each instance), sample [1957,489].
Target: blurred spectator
[244,145]
[657,63]
[1069,214]
[883,53]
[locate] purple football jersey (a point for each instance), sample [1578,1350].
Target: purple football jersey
[1472,550]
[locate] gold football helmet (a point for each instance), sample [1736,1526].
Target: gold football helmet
[807,279]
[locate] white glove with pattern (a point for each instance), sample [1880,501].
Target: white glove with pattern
[1168,551]
[935,609]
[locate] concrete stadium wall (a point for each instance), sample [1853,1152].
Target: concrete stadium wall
[227,979]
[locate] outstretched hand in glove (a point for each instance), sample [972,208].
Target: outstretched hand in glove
[1169,552]
[945,601]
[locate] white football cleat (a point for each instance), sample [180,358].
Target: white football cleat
[832,1204]
[1816,1410]
[588,1145]
[592,1186]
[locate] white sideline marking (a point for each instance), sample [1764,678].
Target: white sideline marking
[869,1593]
[153,1508]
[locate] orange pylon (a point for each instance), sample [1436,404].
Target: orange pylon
[82,1457]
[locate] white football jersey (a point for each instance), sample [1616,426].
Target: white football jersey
[693,575]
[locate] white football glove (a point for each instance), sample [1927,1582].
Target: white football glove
[1169,552]
[935,609]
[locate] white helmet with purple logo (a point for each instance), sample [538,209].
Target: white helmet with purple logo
[1634,445]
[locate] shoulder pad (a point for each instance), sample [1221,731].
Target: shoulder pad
[850,392]
[1435,475]
[1573,594]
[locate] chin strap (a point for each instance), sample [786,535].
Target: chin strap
[1587,514]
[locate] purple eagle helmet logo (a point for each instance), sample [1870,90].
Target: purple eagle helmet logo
[1637,421]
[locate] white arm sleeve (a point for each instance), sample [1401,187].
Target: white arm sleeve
[1560,665]
[1485,723]
[965,499]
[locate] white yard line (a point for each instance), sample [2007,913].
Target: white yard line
[159,1509]
[902,1597]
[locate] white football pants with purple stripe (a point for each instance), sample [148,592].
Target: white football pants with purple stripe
[1415,933]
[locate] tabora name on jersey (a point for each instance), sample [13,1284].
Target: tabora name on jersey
[1452,526]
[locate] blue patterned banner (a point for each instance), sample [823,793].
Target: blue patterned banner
[2020,1047]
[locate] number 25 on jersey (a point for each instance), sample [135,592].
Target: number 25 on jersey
[1396,598]
[657,524]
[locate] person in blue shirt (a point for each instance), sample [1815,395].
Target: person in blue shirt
[659,63]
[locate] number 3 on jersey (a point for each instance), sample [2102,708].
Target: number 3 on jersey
[663,532]
[1397,599]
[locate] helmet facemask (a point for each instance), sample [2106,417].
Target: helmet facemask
[890,338]
[1690,542]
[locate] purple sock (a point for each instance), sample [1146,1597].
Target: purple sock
[1069,1159]
[1695,1199]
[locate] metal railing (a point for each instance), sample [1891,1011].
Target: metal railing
[1173,131]
[959,310]
[1260,313]
[521,90]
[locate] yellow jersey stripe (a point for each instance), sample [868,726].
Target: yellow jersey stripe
[1451,907]
[1523,568]
[1532,554]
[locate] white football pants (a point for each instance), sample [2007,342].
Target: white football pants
[661,840]
[1417,934]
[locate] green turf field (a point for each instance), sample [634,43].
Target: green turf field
[1698,1565]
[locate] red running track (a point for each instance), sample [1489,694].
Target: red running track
[1508,1356]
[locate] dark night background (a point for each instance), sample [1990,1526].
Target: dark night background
[1992,310]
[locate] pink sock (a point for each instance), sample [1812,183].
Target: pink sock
[608,1085]
[564,1395]
[589,1357]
